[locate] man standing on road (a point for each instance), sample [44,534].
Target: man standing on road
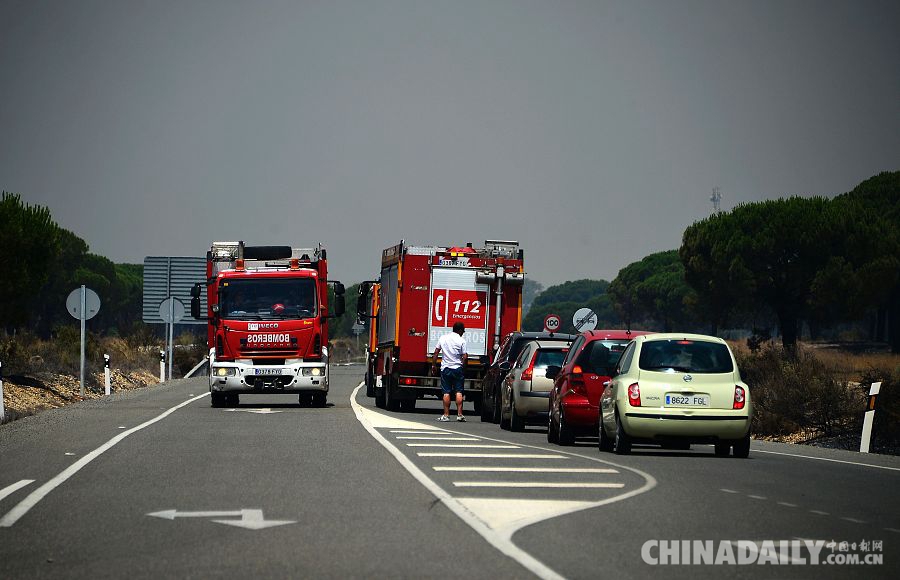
[453,368]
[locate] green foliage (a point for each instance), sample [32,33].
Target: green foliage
[653,292]
[530,291]
[342,326]
[565,299]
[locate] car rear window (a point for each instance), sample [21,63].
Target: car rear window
[688,356]
[547,358]
[600,357]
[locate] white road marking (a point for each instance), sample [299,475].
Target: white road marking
[527,469]
[853,520]
[728,490]
[251,519]
[264,411]
[435,431]
[37,495]
[11,489]
[491,518]
[819,512]
[439,438]
[756,497]
[492,455]
[894,530]
[539,484]
[786,504]
[69,453]
[827,459]
[463,445]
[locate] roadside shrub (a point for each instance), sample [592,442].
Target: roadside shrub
[798,392]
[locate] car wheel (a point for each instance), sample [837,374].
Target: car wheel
[742,447]
[516,423]
[551,429]
[496,410]
[504,419]
[564,434]
[604,442]
[722,449]
[217,399]
[487,413]
[622,442]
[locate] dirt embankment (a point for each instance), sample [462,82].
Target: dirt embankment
[27,395]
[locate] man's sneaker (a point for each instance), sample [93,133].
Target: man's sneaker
[443,418]
[460,419]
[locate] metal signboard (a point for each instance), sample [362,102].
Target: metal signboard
[584,319]
[172,277]
[456,297]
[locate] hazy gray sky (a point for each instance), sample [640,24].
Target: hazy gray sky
[593,132]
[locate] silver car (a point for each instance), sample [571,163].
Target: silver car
[525,394]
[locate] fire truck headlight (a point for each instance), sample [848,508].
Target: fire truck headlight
[312,372]
[225,371]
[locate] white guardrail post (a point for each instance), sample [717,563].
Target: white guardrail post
[106,371]
[162,366]
[2,407]
[869,419]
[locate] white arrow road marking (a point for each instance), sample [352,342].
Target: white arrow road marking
[265,411]
[496,520]
[251,519]
[10,489]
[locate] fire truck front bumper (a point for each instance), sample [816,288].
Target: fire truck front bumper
[250,378]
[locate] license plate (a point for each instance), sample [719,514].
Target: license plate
[676,400]
[268,371]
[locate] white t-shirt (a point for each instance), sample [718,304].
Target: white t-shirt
[453,347]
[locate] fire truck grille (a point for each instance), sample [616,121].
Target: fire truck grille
[268,361]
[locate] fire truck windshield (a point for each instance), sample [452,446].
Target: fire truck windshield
[260,299]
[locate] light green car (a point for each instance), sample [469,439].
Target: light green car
[675,390]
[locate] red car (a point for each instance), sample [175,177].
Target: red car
[578,384]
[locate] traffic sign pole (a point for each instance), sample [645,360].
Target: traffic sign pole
[81,316]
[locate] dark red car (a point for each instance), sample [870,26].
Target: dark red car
[578,384]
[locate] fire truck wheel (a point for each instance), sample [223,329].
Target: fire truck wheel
[487,413]
[232,399]
[305,400]
[379,397]
[391,403]
[407,405]
[319,399]
[217,399]
[477,405]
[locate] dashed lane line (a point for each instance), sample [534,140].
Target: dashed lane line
[463,445]
[427,438]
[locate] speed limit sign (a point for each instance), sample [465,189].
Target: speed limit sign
[551,323]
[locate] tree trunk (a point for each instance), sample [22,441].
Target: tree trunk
[788,324]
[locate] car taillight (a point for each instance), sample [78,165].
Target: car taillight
[738,397]
[528,373]
[634,395]
[576,381]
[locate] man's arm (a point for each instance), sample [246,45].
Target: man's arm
[434,357]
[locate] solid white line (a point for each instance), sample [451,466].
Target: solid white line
[493,455]
[826,459]
[10,489]
[528,469]
[434,431]
[728,490]
[463,446]
[37,495]
[538,484]
[819,512]
[853,520]
[896,531]
[756,497]
[441,438]
[786,504]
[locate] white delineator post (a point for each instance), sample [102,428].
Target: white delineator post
[2,407]
[106,371]
[869,419]
[162,366]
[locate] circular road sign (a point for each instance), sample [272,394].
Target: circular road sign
[165,310]
[551,323]
[584,319]
[91,303]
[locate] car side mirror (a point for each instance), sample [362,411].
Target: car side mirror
[553,371]
[504,366]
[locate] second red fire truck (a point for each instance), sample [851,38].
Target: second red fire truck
[421,293]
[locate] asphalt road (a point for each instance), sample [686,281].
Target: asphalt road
[156,483]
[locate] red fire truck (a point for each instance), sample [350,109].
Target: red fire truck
[422,292]
[267,308]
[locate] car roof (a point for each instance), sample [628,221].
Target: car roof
[551,344]
[520,335]
[613,334]
[682,336]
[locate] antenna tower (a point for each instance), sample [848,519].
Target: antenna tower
[716,199]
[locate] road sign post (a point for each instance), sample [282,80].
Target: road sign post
[83,304]
[551,323]
[2,406]
[171,310]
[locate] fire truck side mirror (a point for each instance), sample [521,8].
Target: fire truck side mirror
[339,289]
[195,301]
[340,305]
